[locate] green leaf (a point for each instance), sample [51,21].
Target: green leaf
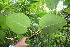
[18,22]
[66,2]
[2,34]
[1,41]
[20,36]
[3,23]
[4,26]
[51,23]
[52,3]
[68,10]
[28,42]
[21,0]
[2,19]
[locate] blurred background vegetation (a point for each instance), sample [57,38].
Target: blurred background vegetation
[35,9]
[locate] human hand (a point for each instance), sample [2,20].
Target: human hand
[22,43]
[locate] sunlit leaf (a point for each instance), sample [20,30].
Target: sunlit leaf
[51,23]
[18,22]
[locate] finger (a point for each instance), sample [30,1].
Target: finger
[27,45]
[24,39]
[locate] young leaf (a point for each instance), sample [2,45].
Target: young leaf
[18,22]
[51,23]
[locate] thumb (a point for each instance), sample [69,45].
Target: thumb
[23,40]
[27,45]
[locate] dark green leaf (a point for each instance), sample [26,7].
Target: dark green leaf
[2,19]
[66,2]
[20,36]
[2,34]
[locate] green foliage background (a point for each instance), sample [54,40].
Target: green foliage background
[24,18]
